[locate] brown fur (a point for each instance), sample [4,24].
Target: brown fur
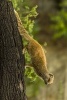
[37,54]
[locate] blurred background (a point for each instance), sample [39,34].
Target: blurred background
[46,21]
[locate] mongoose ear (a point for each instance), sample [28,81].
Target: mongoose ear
[50,79]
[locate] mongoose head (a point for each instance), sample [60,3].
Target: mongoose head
[46,76]
[49,79]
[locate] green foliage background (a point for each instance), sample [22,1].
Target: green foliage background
[60,19]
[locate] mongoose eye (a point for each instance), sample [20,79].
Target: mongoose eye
[51,75]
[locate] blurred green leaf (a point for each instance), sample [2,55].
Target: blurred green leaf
[60,26]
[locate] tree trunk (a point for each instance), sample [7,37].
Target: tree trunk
[11,58]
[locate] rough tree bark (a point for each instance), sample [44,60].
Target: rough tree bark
[11,59]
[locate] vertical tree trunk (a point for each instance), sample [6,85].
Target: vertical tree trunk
[11,58]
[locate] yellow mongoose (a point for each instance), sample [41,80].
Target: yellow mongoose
[36,53]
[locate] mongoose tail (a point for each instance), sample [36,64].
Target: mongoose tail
[21,28]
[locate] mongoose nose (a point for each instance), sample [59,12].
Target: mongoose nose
[50,79]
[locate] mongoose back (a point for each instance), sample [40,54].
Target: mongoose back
[37,54]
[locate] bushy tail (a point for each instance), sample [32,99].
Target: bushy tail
[21,28]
